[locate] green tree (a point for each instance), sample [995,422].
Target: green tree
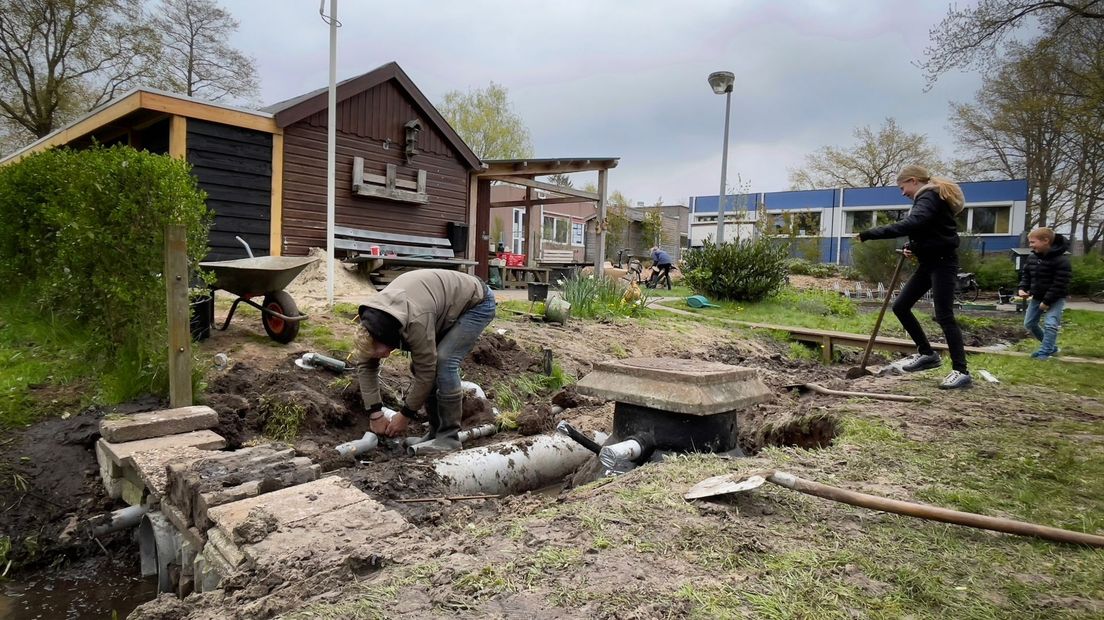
[60,58]
[873,161]
[562,180]
[196,58]
[486,121]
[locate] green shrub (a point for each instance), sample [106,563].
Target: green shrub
[83,237]
[803,267]
[874,260]
[742,270]
[593,297]
[995,272]
[1088,274]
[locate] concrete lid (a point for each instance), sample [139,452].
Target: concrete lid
[693,387]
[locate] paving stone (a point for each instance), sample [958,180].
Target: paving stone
[204,440]
[110,473]
[328,538]
[291,504]
[176,517]
[149,466]
[158,423]
[693,387]
[228,549]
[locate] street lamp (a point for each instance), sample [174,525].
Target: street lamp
[721,82]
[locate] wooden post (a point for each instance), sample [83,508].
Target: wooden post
[599,263]
[176,298]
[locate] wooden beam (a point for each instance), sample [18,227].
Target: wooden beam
[178,137]
[495,170]
[94,121]
[176,298]
[603,181]
[546,201]
[276,216]
[549,187]
[207,112]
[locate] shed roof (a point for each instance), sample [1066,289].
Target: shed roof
[293,110]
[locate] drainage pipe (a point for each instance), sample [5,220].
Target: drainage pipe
[621,457]
[158,548]
[120,519]
[475,432]
[513,467]
[566,429]
[358,446]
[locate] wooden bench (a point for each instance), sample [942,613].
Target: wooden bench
[556,257]
[398,253]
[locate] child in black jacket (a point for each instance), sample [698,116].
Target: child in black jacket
[933,240]
[1045,278]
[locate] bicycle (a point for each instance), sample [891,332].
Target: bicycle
[966,288]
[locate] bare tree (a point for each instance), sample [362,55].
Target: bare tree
[873,161]
[59,58]
[973,36]
[562,180]
[196,59]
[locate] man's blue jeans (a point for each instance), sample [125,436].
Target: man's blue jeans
[460,340]
[1048,334]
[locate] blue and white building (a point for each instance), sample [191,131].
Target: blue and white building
[831,218]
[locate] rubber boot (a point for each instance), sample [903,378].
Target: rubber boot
[449,411]
[434,423]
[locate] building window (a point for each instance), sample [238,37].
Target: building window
[990,220]
[577,230]
[858,221]
[556,229]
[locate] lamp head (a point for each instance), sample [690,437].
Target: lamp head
[721,81]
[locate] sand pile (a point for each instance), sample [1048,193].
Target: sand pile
[350,285]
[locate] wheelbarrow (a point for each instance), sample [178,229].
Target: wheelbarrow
[264,275]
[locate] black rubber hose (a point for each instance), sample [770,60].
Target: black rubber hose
[574,433]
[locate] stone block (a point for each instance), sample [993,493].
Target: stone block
[179,520]
[289,505]
[203,440]
[132,494]
[149,466]
[158,423]
[225,546]
[110,472]
[692,387]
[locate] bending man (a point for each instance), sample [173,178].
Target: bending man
[437,315]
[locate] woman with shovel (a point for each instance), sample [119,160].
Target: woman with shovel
[933,241]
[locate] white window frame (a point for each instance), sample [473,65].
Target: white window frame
[578,234]
[843,224]
[819,212]
[557,221]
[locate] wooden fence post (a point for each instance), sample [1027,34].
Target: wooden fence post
[176,297]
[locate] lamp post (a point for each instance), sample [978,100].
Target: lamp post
[721,82]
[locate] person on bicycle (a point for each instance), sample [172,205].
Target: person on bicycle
[933,240]
[661,267]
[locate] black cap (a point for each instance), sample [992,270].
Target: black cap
[383,327]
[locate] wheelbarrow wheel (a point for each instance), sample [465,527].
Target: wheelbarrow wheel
[278,329]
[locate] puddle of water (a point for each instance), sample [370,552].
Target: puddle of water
[94,588]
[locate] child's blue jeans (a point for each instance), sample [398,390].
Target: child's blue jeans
[1048,334]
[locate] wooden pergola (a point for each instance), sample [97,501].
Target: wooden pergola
[523,173]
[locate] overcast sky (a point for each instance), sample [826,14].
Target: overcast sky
[627,78]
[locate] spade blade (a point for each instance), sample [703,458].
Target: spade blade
[723,485]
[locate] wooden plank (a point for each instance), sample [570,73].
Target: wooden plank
[412,250]
[550,187]
[178,137]
[540,201]
[176,298]
[207,112]
[371,235]
[276,221]
[95,120]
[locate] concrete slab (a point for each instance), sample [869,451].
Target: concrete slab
[158,423]
[328,538]
[110,472]
[289,505]
[692,387]
[204,440]
[175,516]
[228,549]
[149,466]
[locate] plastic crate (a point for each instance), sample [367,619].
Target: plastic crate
[515,260]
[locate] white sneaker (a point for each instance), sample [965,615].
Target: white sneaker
[956,380]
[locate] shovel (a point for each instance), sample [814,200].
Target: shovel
[735,483]
[803,388]
[860,370]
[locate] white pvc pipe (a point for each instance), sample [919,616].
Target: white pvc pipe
[622,456]
[468,385]
[120,519]
[513,467]
[483,430]
[358,446]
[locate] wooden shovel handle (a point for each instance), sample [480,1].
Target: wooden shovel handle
[933,513]
[881,313]
[901,398]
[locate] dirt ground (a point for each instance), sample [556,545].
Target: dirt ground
[52,483]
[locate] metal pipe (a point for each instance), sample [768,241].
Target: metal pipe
[158,548]
[475,432]
[566,429]
[358,446]
[622,456]
[118,520]
[513,467]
